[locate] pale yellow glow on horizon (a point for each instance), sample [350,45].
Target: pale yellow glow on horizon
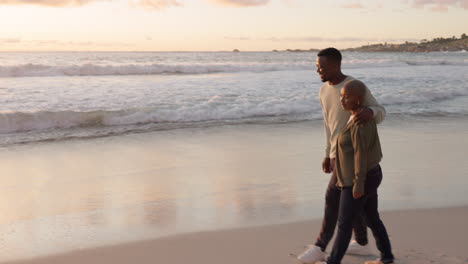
[199,25]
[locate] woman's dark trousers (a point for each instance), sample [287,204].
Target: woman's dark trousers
[332,204]
[351,208]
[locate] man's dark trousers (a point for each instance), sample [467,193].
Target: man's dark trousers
[332,204]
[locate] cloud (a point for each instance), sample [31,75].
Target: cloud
[237,38]
[56,3]
[339,39]
[369,7]
[58,42]
[242,3]
[296,39]
[158,4]
[439,5]
[440,8]
[10,40]
[353,6]
[62,43]
[149,4]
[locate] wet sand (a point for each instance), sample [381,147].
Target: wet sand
[82,195]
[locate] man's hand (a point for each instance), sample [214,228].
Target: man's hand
[357,195]
[328,165]
[364,116]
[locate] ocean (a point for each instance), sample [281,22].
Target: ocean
[79,95]
[103,148]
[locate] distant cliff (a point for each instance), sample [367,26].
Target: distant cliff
[437,44]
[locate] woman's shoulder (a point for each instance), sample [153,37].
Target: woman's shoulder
[368,127]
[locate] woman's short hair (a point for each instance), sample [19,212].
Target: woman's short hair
[357,87]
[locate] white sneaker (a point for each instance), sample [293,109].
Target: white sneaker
[311,255]
[355,249]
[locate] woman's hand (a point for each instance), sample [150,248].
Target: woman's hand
[357,195]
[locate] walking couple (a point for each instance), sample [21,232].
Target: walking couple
[352,155]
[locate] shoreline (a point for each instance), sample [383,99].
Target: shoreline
[418,236]
[392,120]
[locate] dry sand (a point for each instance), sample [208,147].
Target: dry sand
[418,236]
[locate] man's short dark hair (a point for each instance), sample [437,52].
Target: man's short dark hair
[331,54]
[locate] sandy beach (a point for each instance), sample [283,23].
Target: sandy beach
[192,131]
[230,194]
[418,236]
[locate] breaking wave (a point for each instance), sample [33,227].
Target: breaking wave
[44,70]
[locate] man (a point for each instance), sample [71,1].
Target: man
[328,64]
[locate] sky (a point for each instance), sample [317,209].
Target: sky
[218,25]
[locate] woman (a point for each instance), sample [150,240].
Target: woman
[359,175]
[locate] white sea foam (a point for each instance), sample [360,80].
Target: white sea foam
[119,93]
[418,96]
[36,70]
[99,69]
[215,108]
[212,110]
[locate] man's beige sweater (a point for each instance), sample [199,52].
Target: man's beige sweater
[335,118]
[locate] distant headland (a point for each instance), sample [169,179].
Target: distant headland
[436,44]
